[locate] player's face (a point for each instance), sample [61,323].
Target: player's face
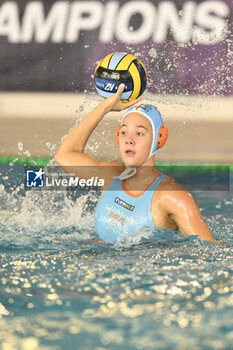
[135,139]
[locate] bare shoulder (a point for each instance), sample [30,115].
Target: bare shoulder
[170,184]
[170,190]
[177,204]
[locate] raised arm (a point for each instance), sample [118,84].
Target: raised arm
[71,152]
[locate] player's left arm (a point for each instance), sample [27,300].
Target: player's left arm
[182,208]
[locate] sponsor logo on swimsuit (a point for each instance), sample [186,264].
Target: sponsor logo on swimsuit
[124,204]
[117,217]
[117,221]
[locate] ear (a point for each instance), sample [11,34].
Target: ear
[162,136]
[117,134]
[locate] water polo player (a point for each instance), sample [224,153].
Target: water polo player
[138,195]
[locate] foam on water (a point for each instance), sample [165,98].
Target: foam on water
[56,219]
[44,219]
[59,291]
[145,297]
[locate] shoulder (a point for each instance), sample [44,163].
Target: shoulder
[172,195]
[170,184]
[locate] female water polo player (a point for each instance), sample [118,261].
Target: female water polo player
[137,194]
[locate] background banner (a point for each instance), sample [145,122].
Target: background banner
[55,45]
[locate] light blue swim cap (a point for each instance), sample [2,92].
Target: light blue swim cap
[154,116]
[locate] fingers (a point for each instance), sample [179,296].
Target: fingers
[120,89]
[220,243]
[117,95]
[114,102]
[131,103]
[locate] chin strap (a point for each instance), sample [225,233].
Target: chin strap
[128,172]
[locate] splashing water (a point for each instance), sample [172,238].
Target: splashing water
[60,291]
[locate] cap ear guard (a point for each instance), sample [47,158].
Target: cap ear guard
[162,136]
[118,133]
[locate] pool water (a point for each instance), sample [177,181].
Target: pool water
[60,291]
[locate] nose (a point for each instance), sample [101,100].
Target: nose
[129,140]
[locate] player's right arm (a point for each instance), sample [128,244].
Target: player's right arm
[70,155]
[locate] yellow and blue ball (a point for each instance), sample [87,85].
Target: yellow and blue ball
[117,68]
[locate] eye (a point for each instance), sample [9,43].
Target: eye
[140,133]
[123,132]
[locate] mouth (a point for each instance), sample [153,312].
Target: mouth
[129,153]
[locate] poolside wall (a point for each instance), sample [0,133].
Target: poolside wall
[200,128]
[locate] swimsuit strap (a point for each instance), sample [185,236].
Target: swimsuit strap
[156,182]
[148,191]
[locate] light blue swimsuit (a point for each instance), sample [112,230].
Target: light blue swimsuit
[119,214]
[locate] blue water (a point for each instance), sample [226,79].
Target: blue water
[60,291]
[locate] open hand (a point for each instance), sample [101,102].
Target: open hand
[114,102]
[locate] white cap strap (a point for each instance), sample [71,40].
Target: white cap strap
[128,172]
